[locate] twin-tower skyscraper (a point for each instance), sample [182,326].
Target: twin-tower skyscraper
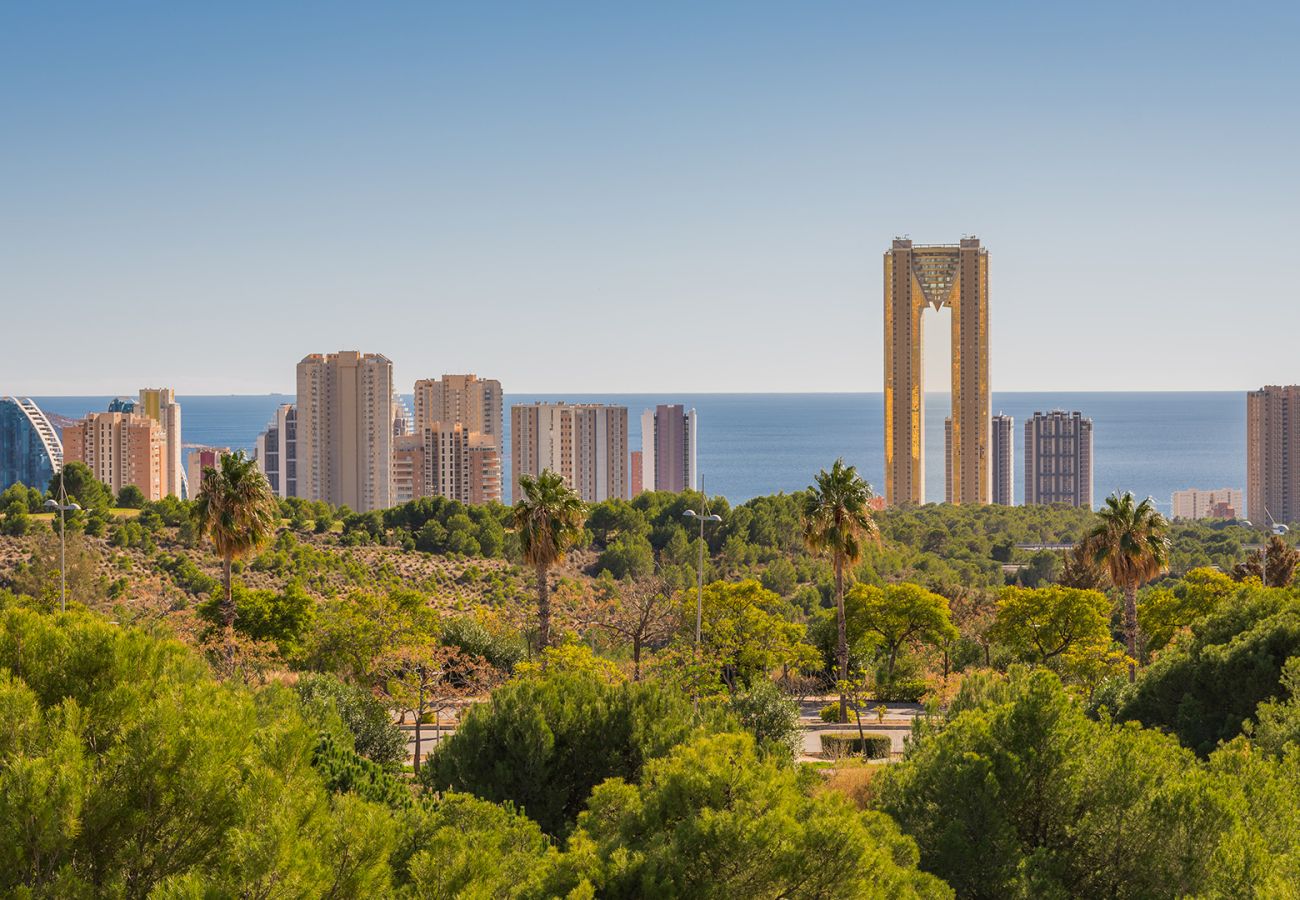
[918,277]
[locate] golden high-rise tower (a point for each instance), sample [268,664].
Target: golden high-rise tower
[936,275]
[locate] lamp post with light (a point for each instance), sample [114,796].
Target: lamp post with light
[699,594]
[63,507]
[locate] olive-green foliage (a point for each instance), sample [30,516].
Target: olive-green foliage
[1204,686]
[712,819]
[1022,795]
[501,647]
[543,743]
[434,525]
[126,769]
[188,576]
[38,576]
[770,715]
[351,633]
[363,722]
[282,617]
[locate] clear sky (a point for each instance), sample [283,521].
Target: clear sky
[641,197]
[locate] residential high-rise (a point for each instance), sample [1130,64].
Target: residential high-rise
[120,449]
[160,405]
[30,449]
[468,399]
[668,448]
[586,444]
[276,451]
[198,459]
[447,460]
[636,472]
[1058,459]
[917,277]
[345,429]
[1272,440]
[1223,503]
[1002,477]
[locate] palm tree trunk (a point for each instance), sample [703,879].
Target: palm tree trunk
[842,635]
[1131,627]
[228,606]
[543,610]
[228,613]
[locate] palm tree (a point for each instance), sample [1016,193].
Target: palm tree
[236,508]
[549,519]
[836,521]
[1131,543]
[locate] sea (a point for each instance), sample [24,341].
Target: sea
[754,444]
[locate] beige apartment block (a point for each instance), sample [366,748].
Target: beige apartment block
[344,429]
[586,444]
[919,277]
[120,449]
[1222,503]
[447,460]
[160,405]
[1272,469]
[475,402]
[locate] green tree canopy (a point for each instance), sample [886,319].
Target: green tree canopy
[1025,796]
[897,614]
[542,743]
[1042,625]
[712,819]
[745,631]
[1204,686]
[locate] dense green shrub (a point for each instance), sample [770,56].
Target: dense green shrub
[1206,684]
[770,715]
[713,819]
[543,743]
[839,744]
[369,728]
[1021,795]
[830,712]
[128,771]
[344,770]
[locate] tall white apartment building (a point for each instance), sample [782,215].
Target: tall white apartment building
[586,444]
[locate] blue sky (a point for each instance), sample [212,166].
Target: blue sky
[664,197]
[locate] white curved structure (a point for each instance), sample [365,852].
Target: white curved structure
[30,449]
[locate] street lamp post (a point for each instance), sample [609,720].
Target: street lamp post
[63,506]
[699,593]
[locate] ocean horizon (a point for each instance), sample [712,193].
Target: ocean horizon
[1148,442]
